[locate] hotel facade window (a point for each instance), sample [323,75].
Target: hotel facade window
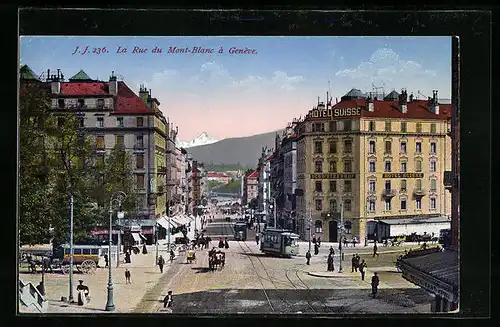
[140,121]
[418,204]
[119,121]
[432,167]
[348,227]
[119,140]
[371,205]
[403,185]
[318,186]
[433,203]
[333,147]
[388,147]
[318,127]
[318,166]
[347,166]
[418,165]
[418,184]
[140,181]
[318,147]
[403,127]
[403,167]
[387,125]
[332,126]
[100,121]
[387,204]
[372,166]
[140,161]
[387,166]
[418,147]
[433,185]
[333,186]
[433,147]
[347,186]
[371,126]
[347,205]
[60,103]
[347,125]
[347,146]
[100,103]
[388,185]
[403,204]
[333,167]
[333,206]
[139,141]
[403,147]
[419,127]
[371,186]
[100,142]
[319,205]
[372,147]
[433,128]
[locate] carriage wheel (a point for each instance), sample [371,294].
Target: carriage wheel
[65,269]
[88,267]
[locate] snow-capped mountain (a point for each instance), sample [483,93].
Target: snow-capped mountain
[203,139]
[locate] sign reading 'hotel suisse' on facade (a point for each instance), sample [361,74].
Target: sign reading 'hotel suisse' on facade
[403,175]
[332,176]
[334,113]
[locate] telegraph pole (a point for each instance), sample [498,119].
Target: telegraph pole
[70,297]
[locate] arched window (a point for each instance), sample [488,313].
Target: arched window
[347,227]
[318,226]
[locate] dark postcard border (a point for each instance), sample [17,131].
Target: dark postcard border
[472,27]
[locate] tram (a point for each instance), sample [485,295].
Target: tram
[279,242]
[240,231]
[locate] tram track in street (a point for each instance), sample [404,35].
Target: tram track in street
[310,291]
[274,282]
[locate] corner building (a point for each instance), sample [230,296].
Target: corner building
[382,159]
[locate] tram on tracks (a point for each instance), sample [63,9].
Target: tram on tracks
[240,231]
[279,242]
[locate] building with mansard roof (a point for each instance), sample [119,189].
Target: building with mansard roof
[374,159]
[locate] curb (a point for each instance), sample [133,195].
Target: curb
[324,275]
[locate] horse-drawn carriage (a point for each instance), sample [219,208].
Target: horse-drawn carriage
[394,240]
[86,258]
[191,256]
[216,260]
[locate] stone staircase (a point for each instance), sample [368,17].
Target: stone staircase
[30,299]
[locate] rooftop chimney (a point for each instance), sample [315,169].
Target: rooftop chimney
[371,106]
[433,102]
[403,101]
[55,84]
[113,84]
[143,94]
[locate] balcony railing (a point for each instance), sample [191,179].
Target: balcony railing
[161,170]
[388,193]
[419,192]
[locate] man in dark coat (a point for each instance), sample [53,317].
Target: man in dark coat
[308,257]
[316,249]
[167,301]
[226,244]
[332,251]
[362,267]
[161,262]
[353,263]
[144,250]
[314,240]
[375,248]
[127,276]
[330,263]
[257,238]
[375,282]
[358,259]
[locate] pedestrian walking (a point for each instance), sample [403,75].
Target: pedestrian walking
[106,260]
[308,257]
[144,250]
[161,262]
[332,251]
[314,239]
[168,300]
[358,259]
[353,263]
[319,241]
[226,244]
[362,267]
[172,255]
[375,282]
[83,293]
[345,242]
[375,248]
[257,238]
[316,249]
[127,257]
[354,241]
[127,276]
[330,263]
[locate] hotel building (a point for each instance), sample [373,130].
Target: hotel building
[380,159]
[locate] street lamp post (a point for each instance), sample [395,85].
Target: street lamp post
[341,234]
[110,306]
[118,250]
[70,297]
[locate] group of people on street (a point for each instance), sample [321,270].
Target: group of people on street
[223,243]
[354,241]
[356,264]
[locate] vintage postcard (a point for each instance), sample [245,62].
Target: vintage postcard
[237,175]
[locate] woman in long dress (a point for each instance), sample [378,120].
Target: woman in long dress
[330,262]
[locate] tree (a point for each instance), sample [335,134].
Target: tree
[253,204]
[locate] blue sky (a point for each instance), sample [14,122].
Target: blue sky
[206,92]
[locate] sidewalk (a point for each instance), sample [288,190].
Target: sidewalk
[144,275]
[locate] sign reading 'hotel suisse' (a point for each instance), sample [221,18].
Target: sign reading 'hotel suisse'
[403,175]
[334,112]
[333,176]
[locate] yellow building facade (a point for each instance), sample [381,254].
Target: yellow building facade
[379,159]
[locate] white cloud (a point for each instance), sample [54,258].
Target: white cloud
[388,68]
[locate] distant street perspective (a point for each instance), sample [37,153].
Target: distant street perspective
[216,183]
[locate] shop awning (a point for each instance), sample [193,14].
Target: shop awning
[143,237]
[163,222]
[136,237]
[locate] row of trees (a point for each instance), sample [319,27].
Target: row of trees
[56,160]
